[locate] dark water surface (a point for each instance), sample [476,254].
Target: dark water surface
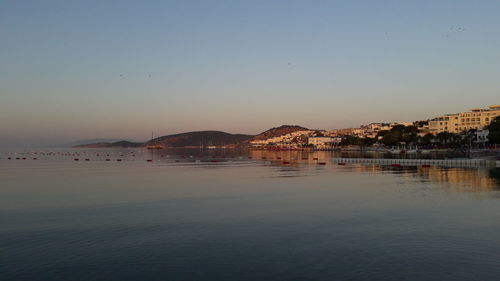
[191,215]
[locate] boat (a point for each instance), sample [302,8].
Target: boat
[412,150]
[155,147]
[396,150]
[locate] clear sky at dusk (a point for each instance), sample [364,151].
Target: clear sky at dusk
[121,69]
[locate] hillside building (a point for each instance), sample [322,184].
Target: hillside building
[464,121]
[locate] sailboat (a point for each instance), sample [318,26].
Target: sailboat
[412,150]
[395,150]
[154,146]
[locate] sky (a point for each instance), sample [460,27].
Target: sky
[85,69]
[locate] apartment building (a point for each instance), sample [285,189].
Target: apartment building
[464,121]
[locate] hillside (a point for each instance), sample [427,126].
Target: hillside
[278,131]
[90,141]
[109,144]
[200,138]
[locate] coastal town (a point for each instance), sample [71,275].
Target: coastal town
[476,129]
[464,129]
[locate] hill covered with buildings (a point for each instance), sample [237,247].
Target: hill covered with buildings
[450,129]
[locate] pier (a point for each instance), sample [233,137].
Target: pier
[418,162]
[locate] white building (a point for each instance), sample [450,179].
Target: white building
[464,121]
[322,142]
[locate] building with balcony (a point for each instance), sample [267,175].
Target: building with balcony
[464,121]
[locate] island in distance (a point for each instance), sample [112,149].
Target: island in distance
[109,144]
[199,138]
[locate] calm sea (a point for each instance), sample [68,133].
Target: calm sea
[231,215]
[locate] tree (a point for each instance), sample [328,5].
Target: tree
[446,138]
[494,128]
[399,134]
[351,140]
[382,133]
[391,139]
[318,133]
[427,139]
[368,141]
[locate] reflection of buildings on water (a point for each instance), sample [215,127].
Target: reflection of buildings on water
[292,156]
[471,180]
[457,179]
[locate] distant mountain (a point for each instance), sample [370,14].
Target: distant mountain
[278,131]
[91,141]
[109,144]
[199,138]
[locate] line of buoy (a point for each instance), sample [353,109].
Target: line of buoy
[421,162]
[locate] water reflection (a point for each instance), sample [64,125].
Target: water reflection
[281,164]
[280,212]
[457,179]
